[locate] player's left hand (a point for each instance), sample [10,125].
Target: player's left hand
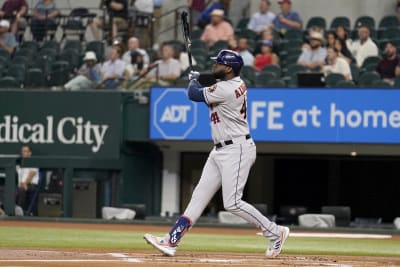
[194,75]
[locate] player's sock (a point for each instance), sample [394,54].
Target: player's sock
[181,226]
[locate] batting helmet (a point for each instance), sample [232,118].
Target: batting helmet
[229,58]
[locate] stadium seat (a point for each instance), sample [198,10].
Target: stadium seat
[340,21]
[217,46]
[381,84]
[196,34]
[355,71]
[294,34]
[98,48]
[367,78]
[345,84]
[21,60]
[8,82]
[317,21]
[35,78]
[371,60]
[18,72]
[276,69]
[73,44]
[5,54]
[365,20]
[71,56]
[276,83]
[389,33]
[388,21]
[295,68]
[31,45]
[76,23]
[246,33]
[248,73]
[396,82]
[263,77]
[58,78]
[52,44]
[24,52]
[333,78]
[242,24]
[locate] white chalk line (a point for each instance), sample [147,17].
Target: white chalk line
[338,235]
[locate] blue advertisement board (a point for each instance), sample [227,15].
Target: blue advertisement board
[287,115]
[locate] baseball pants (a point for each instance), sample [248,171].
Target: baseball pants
[229,167]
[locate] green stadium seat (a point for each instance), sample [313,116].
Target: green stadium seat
[340,21]
[35,78]
[333,78]
[367,78]
[316,21]
[8,82]
[345,84]
[365,20]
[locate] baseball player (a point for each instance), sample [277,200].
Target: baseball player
[230,160]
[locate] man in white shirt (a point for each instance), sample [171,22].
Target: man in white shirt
[28,183]
[263,19]
[364,47]
[133,47]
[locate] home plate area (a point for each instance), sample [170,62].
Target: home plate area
[98,258]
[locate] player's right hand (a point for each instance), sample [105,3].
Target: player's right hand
[193,75]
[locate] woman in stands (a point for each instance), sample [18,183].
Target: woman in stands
[266,57]
[44,18]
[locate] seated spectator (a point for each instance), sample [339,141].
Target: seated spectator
[364,47]
[340,45]
[266,35]
[15,10]
[28,183]
[218,29]
[313,56]
[287,19]
[243,47]
[205,16]
[88,76]
[387,66]
[168,68]
[342,34]
[331,39]
[163,72]
[266,57]
[262,19]
[136,59]
[336,64]
[43,18]
[7,39]
[112,71]
[118,13]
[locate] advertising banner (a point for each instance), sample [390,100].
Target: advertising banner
[287,115]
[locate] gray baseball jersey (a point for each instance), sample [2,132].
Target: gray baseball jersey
[228,109]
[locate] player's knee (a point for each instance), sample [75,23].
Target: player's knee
[231,207]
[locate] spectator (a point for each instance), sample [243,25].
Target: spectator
[340,45]
[131,57]
[15,10]
[118,13]
[163,72]
[205,16]
[313,56]
[331,37]
[387,66]
[364,47]
[266,57]
[88,76]
[168,68]
[195,8]
[243,47]
[7,39]
[218,29]
[28,183]
[43,18]
[342,34]
[112,71]
[140,15]
[287,19]
[262,19]
[336,64]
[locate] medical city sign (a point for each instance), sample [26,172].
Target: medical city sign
[82,124]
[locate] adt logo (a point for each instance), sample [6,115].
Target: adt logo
[174,114]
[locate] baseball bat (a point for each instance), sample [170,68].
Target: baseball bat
[186,36]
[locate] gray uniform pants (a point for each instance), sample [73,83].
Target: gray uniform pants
[229,167]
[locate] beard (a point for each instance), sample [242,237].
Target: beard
[219,75]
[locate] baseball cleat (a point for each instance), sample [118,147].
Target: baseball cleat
[161,243]
[275,246]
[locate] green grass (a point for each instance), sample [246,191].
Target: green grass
[114,240]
